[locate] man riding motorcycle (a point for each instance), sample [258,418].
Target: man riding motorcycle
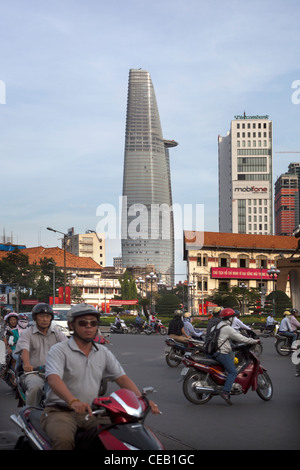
[224,354]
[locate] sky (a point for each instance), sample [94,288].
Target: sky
[64,69]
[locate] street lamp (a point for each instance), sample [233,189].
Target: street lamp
[53,289]
[151,278]
[65,275]
[273,271]
[140,282]
[243,286]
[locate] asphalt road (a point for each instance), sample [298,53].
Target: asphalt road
[250,424]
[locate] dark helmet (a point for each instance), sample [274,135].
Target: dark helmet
[80,310]
[227,313]
[216,311]
[42,308]
[294,311]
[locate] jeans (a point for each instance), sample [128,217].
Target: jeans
[228,364]
[289,334]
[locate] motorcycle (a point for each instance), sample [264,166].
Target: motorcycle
[126,430]
[271,330]
[159,328]
[122,328]
[205,377]
[283,345]
[7,372]
[175,350]
[140,328]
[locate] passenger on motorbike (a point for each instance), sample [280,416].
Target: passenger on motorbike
[286,328]
[214,320]
[176,328]
[10,337]
[237,324]
[188,327]
[74,370]
[293,320]
[33,346]
[225,355]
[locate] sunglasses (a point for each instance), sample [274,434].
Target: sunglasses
[88,322]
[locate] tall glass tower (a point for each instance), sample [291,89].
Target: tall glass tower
[147,217]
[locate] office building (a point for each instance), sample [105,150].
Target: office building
[147,218]
[286,196]
[89,244]
[245,177]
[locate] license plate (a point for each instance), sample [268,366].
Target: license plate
[184,371]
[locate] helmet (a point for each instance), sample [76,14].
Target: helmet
[178,312]
[42,308]
[216,311]
[227,313]
[286,312]
[294,311]
[187,315]
[82,309]
[11,315]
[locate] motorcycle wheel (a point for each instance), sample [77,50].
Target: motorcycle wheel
[281,347]
[148,331]
[264,387]
[134,330]
[163,330]
[257,349]
[192,379]
[173,361]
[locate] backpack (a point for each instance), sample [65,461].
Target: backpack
[211,342]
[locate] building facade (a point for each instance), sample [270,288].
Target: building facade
[89,244]
[147,218]
[245,176]
[219,260]
[286,196]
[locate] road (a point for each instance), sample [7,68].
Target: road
[250,424]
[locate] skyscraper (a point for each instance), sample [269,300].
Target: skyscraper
[147,217]
[245,177]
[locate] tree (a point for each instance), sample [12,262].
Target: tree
[16,271]
[167,304]
[128,287]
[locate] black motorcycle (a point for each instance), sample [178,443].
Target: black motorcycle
[175,350]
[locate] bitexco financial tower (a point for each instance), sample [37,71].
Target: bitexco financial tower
[147,217]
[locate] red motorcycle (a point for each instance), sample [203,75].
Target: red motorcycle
[125,429]
[205,377]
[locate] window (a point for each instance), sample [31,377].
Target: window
[224,260]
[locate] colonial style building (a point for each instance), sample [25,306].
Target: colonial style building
[216,260]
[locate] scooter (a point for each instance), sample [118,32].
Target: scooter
[122,328]
[160,328]
[126,430]
[283,344]
[205,377]
[175,350]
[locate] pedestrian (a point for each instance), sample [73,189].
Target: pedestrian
[33,345]
[74,370]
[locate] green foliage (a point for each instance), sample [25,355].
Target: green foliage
[167,303]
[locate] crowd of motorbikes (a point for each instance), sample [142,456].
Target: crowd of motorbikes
[122,414]
[202,378]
